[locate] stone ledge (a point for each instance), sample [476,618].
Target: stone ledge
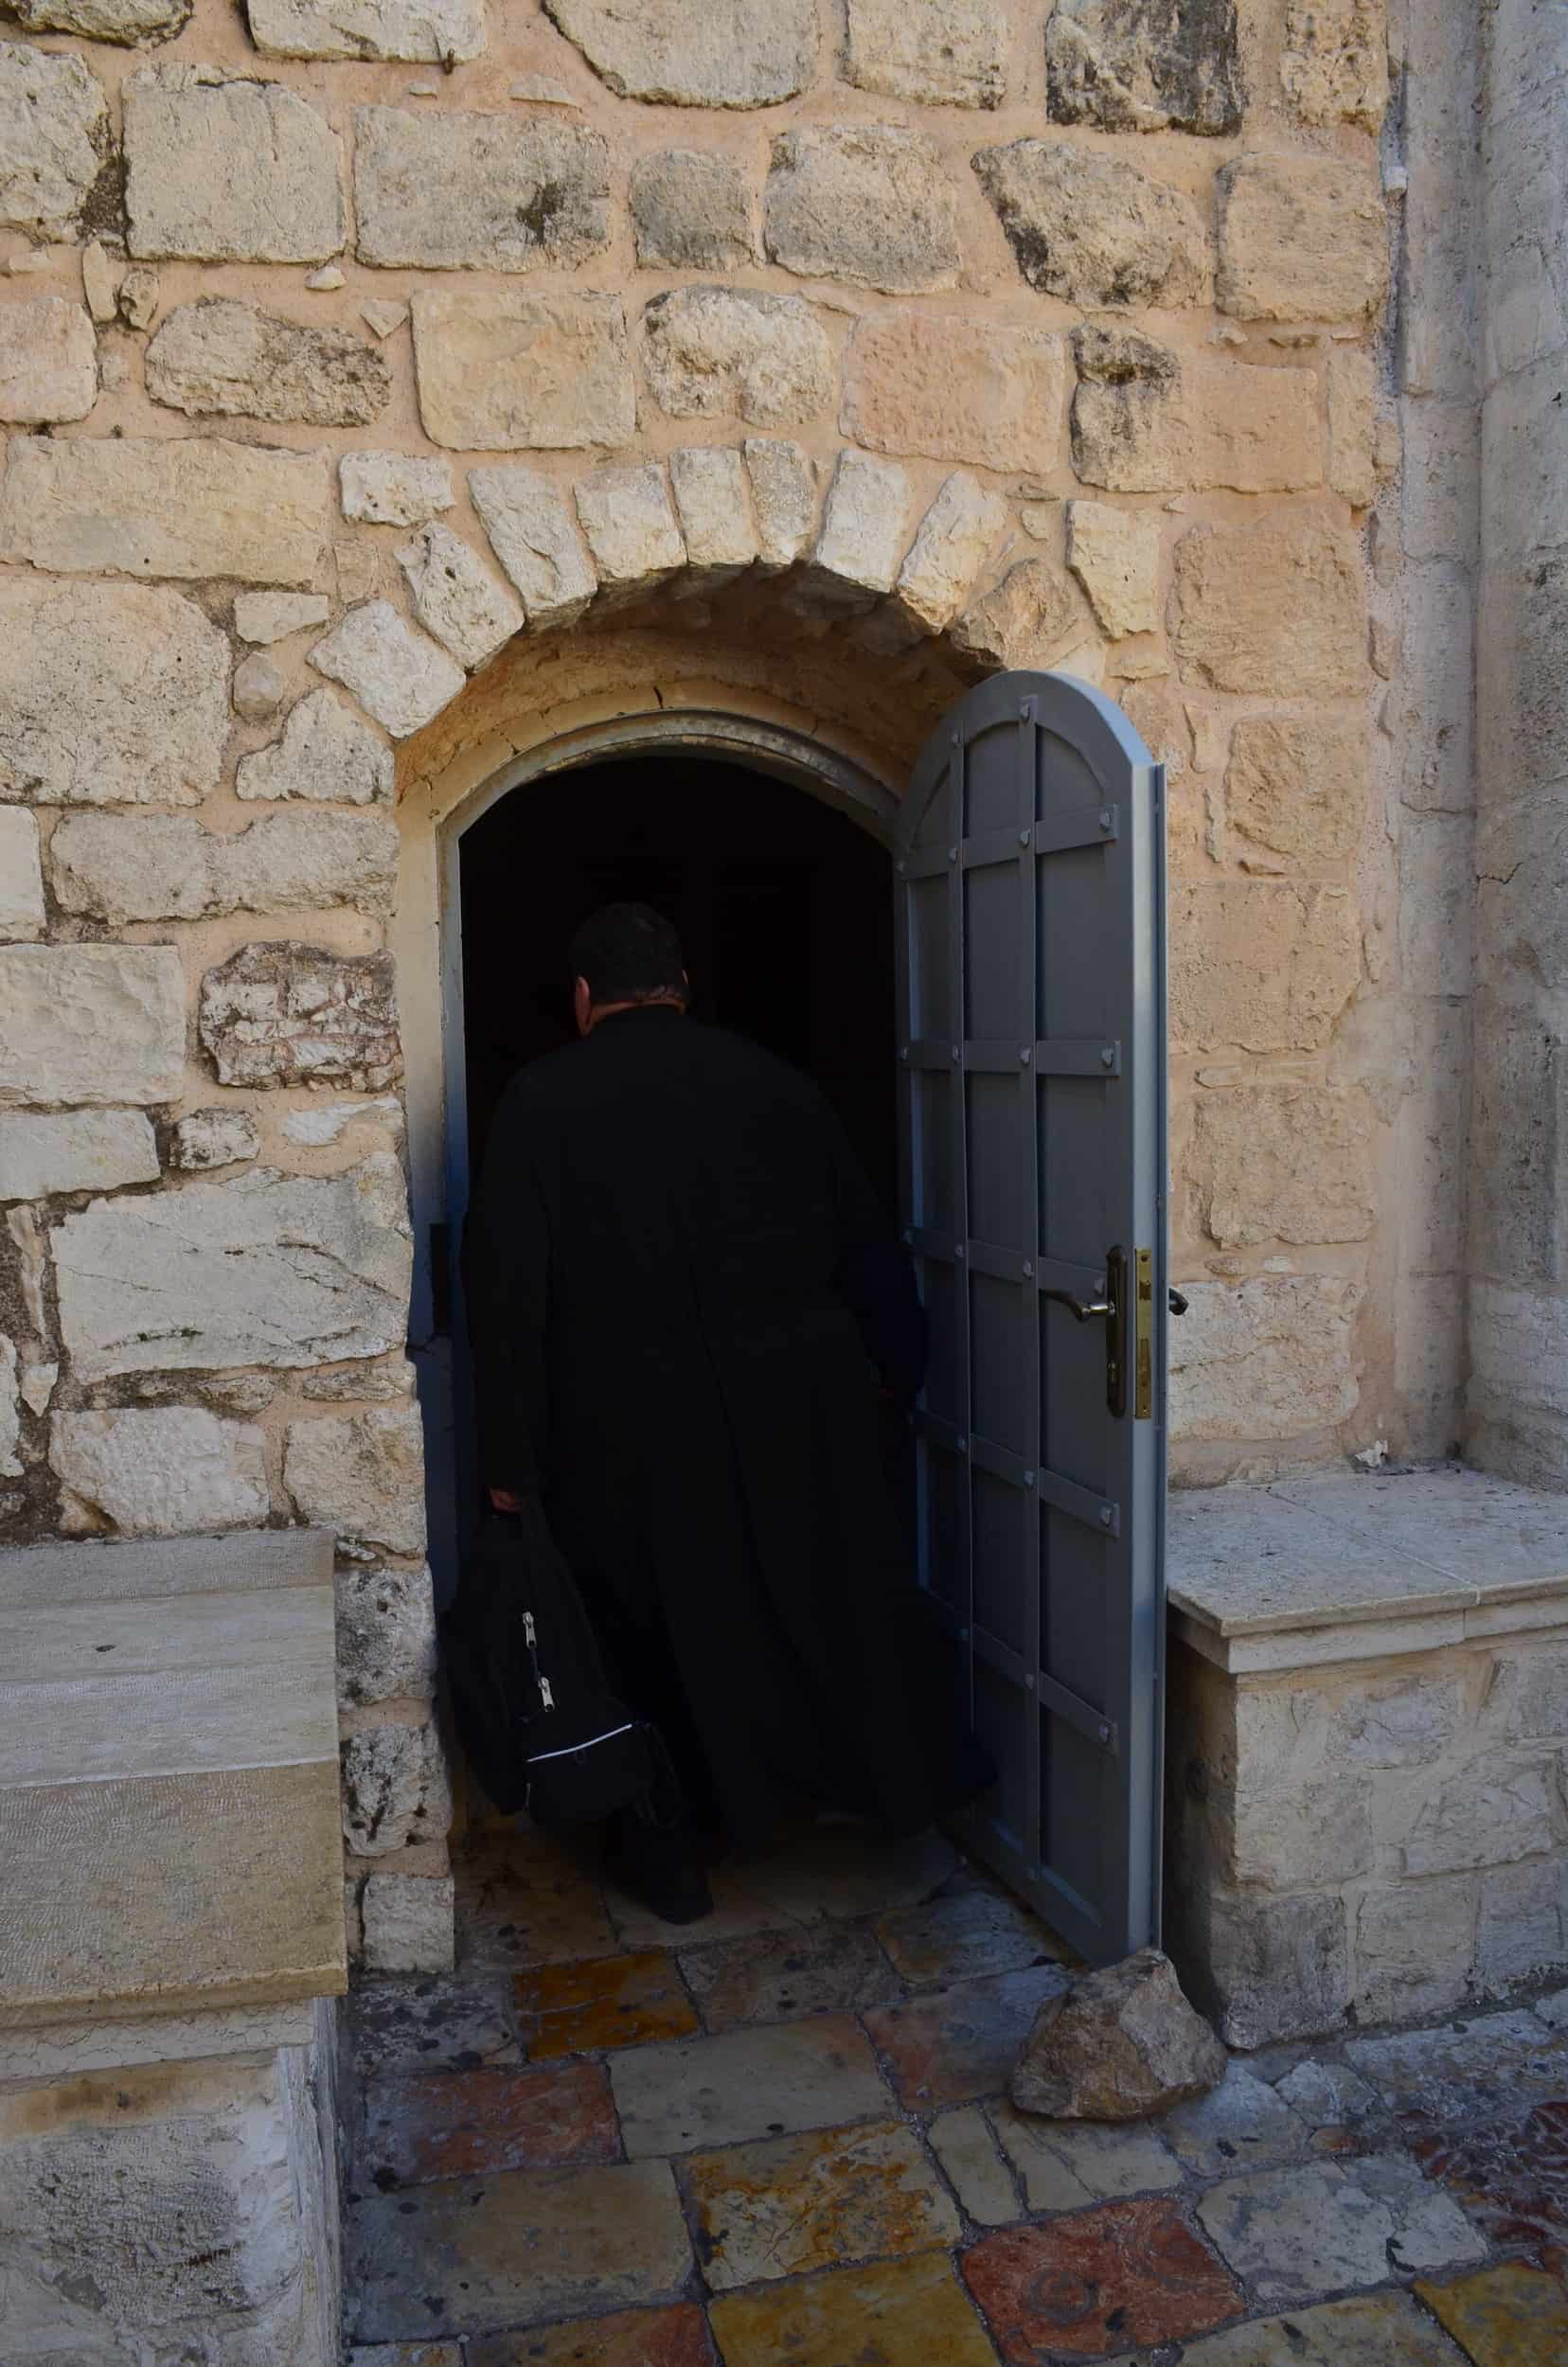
[1346,1568]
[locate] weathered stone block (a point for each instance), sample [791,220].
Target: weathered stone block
[1281,1162]
[710,484]
[631,526]
[1261,965]
[1313,1835]
[385,1636]
[696,53]
[535,537]
[424,31]
[1028,619]
[22,912]
[1297,785]
[939,53]
[48,362]
[127,23]
[54,138]
[1131,426]
[408,1923]
[1254,430]
[955,537]
[1406,1722]
[1115,555]
[75,1151]
[267,616]
[390,490]
[1523,1923]
[1093,230]
[258,688]
[166,867]
[261,1269]
[869,204]
[292,1014]
[192,507]
[954,387]
[500,371]
[442,191]
[223,355]
[457,598]
[1276,606]
[394,1789]
[691,212]
[1301,239]
[214,1138]
[717,352]
[1266,1358]
[1335,61]
[91,1024]
[223,170]
[397,675]
[325,753]
[1276,1968]
[1415,1948]
[361,1475]
[783,485]
[1352,425]
[166,1471]
[1495,1809]
[1156,68]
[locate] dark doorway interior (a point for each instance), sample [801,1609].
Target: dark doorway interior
[783,905]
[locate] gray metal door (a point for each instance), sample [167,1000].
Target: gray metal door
[1031,1039]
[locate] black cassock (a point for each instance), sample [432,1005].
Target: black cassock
[682,1294]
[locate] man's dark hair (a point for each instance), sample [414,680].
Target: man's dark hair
[628,953]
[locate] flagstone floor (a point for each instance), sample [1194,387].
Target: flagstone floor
[780,2138]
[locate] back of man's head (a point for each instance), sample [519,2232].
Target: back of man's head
[628,953]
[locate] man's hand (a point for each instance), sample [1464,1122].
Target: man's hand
[504,1500]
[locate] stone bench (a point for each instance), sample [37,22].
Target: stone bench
[1366,1744]
[170,1929]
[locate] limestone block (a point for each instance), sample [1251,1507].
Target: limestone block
[54,137]
[1274,607]
[1523,1924]
[385,1636]
[214,1138]
[1352,425]
[1406,1723]
[1415,1948]
[22,912]
[1497,1808]
[365,1383]
[1297,785]
[74,1150]
[161,1473]
[394,1789]
[258,688]
[325,753]
[691,212]
[323,1121]
[1254,430]
[391,490]
[408,1923]
[500,371]
[1281,1162]
[696,53]
[293,1014]
[48,362]
[735,352]
[361,1475]
[1092,228]
[166,867]
[1115,555]
[710,484]
[422,31]
[869,204]
[865,523]
[223,355]
[954,387]
[1301,239]
[783,487]
[1131,427]
[445,192]
[222,169]
[90,1023]
[954,538]
[631,527]
[10,1411]
[1165,66]
[457,598]
[1267,1358]
[1335,61]
[1030,617]
[1276,1968]
[535,537]
[127,23]
[259,1269]
[1260,964]
[267,616]
[1310,1835]
[950,53]
[190,505]
[397,675]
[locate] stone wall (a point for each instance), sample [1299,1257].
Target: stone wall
[382,383]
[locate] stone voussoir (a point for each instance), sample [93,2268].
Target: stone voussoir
[629,522]
[397,675]
[457,598]
[536,538]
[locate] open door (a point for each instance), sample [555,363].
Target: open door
[1030,892]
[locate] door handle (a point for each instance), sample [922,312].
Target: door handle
[1111,1302]
[1082,1309]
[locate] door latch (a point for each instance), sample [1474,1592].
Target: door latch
[1111,1303]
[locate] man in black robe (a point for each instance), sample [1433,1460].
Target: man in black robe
[682,1297]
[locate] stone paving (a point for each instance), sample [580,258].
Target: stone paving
[781,2138]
